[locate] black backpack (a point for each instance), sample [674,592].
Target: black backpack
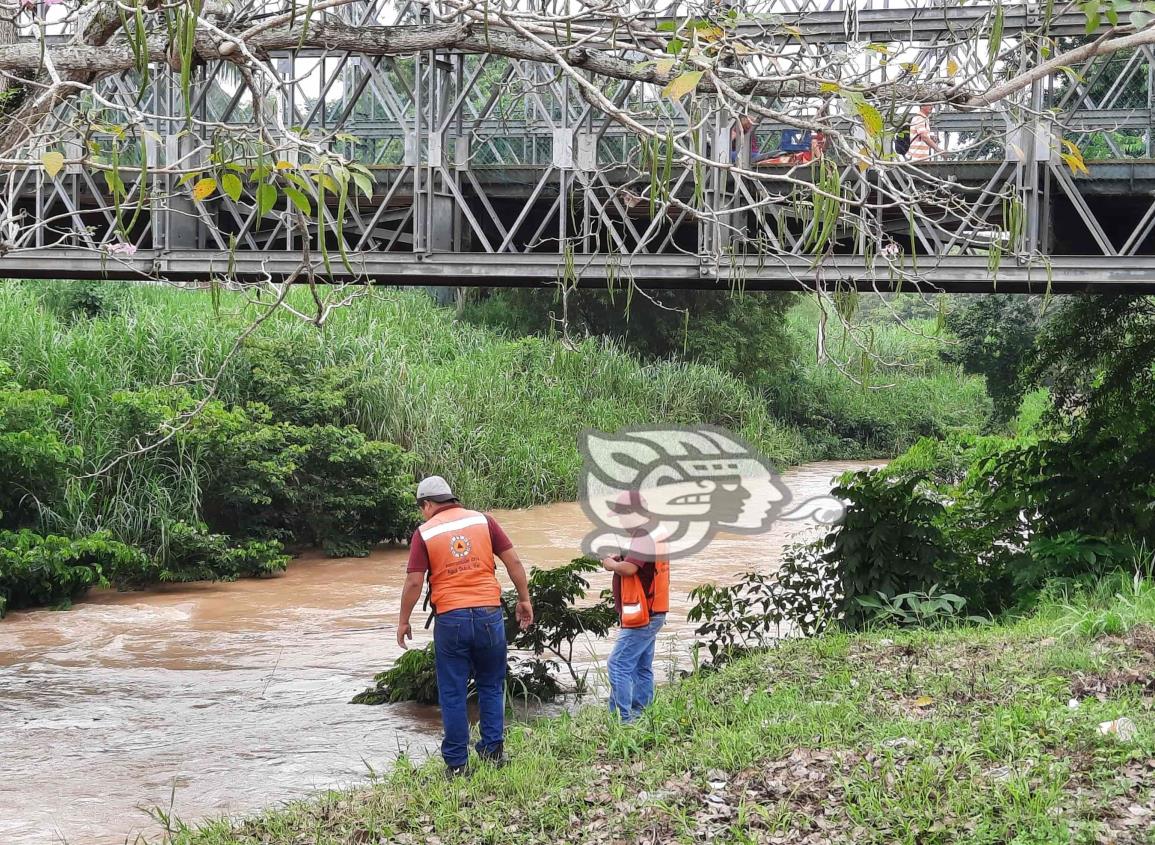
[902,140]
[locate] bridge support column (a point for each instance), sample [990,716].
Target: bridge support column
[175,221]
[715,230]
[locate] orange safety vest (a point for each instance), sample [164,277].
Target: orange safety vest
[462,571]
[637,605]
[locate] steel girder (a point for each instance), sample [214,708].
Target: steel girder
[1063,274]
[490,159]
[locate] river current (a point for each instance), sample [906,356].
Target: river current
[210,699]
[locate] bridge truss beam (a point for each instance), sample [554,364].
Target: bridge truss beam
[502,166]
[959,274]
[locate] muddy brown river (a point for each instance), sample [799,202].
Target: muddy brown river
[211,699]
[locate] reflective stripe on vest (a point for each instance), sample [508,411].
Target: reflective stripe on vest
[637,604]
[461,565]
[660,587]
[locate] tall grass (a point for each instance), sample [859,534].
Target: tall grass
[918,395]
[498,417]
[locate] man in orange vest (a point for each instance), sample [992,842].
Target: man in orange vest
[642,598]
[455,547]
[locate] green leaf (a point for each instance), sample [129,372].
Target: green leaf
[871,119]
[299,199]
[675,46]
[1141,19]
[231,185]
[365,183]
[995,40]
[1091,12]
[266,198]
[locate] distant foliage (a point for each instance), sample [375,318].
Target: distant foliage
[34,459]
[995,335]
[82,300]
[50,570]
[741,333]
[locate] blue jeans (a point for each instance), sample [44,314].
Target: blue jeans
[470,641]
[631,668]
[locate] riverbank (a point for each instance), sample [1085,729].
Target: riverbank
[966,735]
[227,697]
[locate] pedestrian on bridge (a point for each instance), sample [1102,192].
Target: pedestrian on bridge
[922,141]
[454,549]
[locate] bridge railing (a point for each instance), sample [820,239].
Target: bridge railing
[487,154]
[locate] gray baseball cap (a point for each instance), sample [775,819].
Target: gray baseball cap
[435,488]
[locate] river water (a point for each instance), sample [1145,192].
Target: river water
[211,699]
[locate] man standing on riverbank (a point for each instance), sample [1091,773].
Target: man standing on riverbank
[455,547]
[642,598]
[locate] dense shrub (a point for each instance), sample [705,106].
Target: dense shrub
[890,539]
[52,570]
[79,300]
[34,460]
[412,678]
[319,485]
[296,389]
[196,554]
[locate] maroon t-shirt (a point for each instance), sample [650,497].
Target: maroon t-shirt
[419,554]
[641,555]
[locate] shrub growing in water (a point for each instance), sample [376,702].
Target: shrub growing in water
[558,622]
[52,570]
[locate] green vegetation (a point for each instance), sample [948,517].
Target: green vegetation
[312,436]
[994,519]
[542,649]
[878,389]
[963,735]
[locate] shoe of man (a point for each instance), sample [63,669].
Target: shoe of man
[494,757]
[455,772]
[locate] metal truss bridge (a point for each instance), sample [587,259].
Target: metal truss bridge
[489,171]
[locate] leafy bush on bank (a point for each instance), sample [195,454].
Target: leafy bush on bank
[38,568]
[539,652]
[1070,498]
[51,570]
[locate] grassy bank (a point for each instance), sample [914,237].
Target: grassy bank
[963,735]
[871,392]
[910,391]
[498,416]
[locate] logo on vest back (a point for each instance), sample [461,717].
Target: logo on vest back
[459,545]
